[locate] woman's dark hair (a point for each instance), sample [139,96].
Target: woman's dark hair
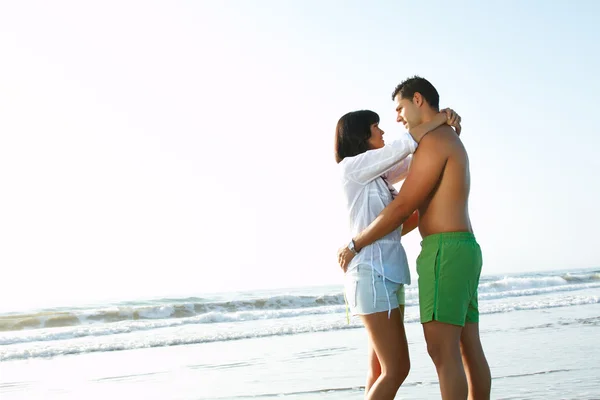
[352,132]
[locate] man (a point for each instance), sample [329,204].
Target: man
[450,261]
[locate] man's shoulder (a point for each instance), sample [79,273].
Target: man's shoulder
[438,138]
[443,132]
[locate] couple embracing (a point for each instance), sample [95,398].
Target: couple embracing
[433,163]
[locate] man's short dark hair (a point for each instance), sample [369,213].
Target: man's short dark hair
[410,86]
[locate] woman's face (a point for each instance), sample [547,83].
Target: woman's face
[376,140]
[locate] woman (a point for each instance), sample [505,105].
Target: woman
[375,279]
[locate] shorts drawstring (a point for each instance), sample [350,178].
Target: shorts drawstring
[374,290]
[387,295]
[347,312]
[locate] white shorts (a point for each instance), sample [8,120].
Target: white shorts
[367,292]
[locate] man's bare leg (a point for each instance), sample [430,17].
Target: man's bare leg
[443,346]
[476,365]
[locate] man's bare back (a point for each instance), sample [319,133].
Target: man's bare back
[446,208]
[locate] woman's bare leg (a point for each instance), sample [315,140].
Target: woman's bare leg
[374,364]
[388,338]
[374,369]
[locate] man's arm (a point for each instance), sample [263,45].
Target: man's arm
[427,166]
[411,223]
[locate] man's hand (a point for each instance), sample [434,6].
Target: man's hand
[452,119]
[345,255]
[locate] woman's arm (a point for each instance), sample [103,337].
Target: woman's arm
[411,223]
[371,164]
[421,130]
[400,170]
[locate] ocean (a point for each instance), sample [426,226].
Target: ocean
[540,332]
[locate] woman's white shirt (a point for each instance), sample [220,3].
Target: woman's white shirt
[367,181]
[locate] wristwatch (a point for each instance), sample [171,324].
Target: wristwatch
[351,247]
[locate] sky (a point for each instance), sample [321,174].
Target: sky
[176,148]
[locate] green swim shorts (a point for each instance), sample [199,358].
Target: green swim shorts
[449,267]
